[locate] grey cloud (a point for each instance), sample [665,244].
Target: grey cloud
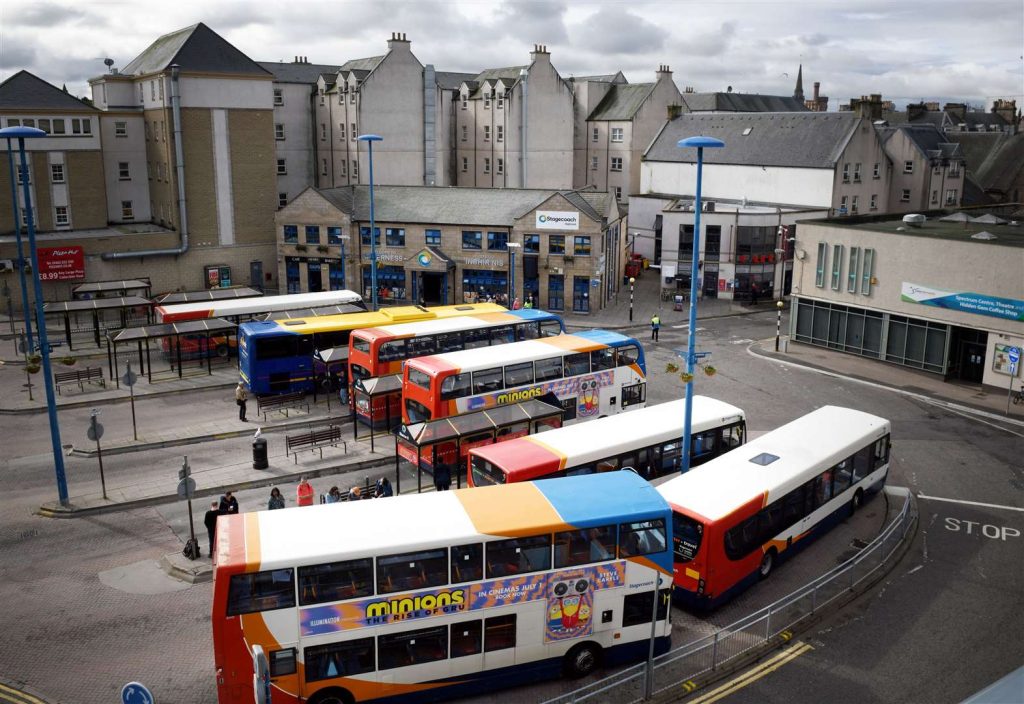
[613,31]
[708,43]
[540,22]
[816,39]
[46,15]
[224,18]
[15,56]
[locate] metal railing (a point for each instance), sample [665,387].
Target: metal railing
[694,659]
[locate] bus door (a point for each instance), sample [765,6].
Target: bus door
[284,671]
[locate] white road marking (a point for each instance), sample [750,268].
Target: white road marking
[744,341]
[969,503]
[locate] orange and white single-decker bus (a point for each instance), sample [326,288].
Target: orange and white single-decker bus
[429,596]
[590,374]
[736,516]
[646,440]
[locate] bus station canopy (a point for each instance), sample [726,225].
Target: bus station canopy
[379,385]
[107,286]
[188,327]
[343,309]
[332,355]
[455,427]
[213,294]
[94,304]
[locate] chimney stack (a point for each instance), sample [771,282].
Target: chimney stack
[1006,109]
[817,85]
[958,111]
[540,53]
[663,72]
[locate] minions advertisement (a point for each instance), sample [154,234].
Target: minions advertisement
[570,605]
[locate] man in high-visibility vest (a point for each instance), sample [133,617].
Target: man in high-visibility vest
[304,493]
[655,326]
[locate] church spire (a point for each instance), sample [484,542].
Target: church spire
[799,92]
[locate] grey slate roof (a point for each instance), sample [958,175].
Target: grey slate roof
[509,73]
[808,139]
[367,64]
[195,48]
[741,102]
[929,140]
[452,80]
[606,78]
[1004,163]
[25,91]
[297,73]
[622,101]
[451,206]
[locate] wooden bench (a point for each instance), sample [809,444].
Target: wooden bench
[89,375]
[281,402]
[314,440]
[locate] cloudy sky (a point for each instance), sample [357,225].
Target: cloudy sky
[909,50]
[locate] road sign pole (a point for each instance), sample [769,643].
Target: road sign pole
[97,433]
[1014,355]
[130,379]
[187,487]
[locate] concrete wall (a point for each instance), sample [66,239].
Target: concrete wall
[549,145]
[256,93]
[297,146]
[130,148]
[772,184]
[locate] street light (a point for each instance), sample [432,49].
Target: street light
[21,134]
[691,353]
[778,323]
[512,247]
[344,274]
[370,139]
[20,261]
[631,282]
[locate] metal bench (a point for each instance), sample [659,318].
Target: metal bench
[314,440]
[89,375]
[281,402]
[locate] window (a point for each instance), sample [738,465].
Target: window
[465,638]
[518,556]
[412,647]
[908,167]
[935,196]
[341,131]
[278,131]
[487,101]
[501,101]
[152,90]
[497,241]
[432,237]
[577,364]
[499,167]
[278,96]
[456,386]
[846,173]
[81,126]
[556,244]
[465,164]
[531,244]
[282,662]
[291,270]
[291,234]
[905,195]
[642,538]
[618,192]
[582,246]
[616,134]
[159,171]
[616,163]
[355,168]
[44,125]
[394,236]
[123,171]
[60,216]
[487,165]
[321,97]
[344,659]
[819,274]
[323,132]
[548,369]
[261,591]
[593,163]
[465,133]
[120,129]
[333,235]
[842,205]
[471,239]
[282,168]
[343,167]
[856,173]
[582,547]
[465,102]
[126,210]
[28,122]
[500,632]
[954,168]
[467,563]
[518,374]
[58,126]
[499,133]
[874,201]
[13,122]
[853,270]
[837,266]
[488,380]
[853,203]
[412,570]
[57,173]
[352,132]
[352,97]
[312,234]
[876,172]
[487,133]
[596,134]
[951,198]
[323,167]
[336,275]
[556,292]
[636,608]
[335,581]
[634,394]
[364,235]
[867,272]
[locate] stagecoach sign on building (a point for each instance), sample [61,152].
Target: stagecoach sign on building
[558,220]
[61,263]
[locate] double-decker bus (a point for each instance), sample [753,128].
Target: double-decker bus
[240,310]
[736,516]
[648,440]
[591,374]
[276,356]
[380,351]
[452,592]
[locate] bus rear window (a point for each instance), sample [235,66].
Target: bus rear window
[283,346]
[261,591]
[686,537]
[417,412]
[485,473]
[419,378]
[360,345]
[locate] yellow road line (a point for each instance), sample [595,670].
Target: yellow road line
[753,675]
[8,694]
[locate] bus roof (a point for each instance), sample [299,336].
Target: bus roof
[822,437]
[249,306]
[466,322]
[314,534]
[356,321]
[484,357]
[578,444]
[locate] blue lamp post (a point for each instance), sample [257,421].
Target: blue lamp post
[370,139]
[691,352]
[21,133]
[21,258]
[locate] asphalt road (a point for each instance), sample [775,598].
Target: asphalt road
[88,608]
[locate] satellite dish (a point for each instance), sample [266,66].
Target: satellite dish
[108,62]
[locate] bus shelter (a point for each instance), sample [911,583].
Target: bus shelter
[447,441]
[330,373]
[210,294]
[186,347]
[101,316]
[112,289]
[373,398]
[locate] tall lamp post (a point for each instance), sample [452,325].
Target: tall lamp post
[22,133]
[20,261]
[370,139]
[778,323]
[700,143]
[344,275]
[512,247]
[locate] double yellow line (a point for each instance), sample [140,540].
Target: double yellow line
[751,676]
[8,694]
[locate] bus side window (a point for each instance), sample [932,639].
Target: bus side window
[450,342]
[467,563]
[518,374]
[862,463]
[518,555]
[455,386]
[500,632]
[413,570]
[576,364]
[732,437]
[392,351]
[881,451]
[487,380]
[502,335]
[343,659]
[602,359]
[335,581]
[550,328]
[843,473]
[422,346]
[823,488]
[627,355]
[261,591]
[466,638]
[471,339]
[549,369]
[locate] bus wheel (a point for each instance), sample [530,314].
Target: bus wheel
[333,695]
[222,351]
[767,562]
[857,502]
[582,660]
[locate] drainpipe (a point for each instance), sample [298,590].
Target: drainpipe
[522,79]
[179,157]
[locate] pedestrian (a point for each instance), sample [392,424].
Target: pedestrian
[228,504]
[442,477]
[423,301]
[210,520]
[276,500]
[529,302]
[241,396]
[515,303]
[384,488]
[333,496]
[753,294]
[304,493]
[355,494]
[655,326]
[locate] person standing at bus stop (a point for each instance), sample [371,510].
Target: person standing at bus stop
[655,326]
[304,493]
[210,521]
[241,396]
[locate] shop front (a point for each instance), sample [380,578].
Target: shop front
[432,276]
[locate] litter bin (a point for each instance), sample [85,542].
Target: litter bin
[259,454]
[678,302]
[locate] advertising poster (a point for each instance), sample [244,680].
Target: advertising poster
[61,263]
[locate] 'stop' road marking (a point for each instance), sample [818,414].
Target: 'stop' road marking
[970,503]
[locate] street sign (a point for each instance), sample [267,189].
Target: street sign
[129,378]
[187,488]
[1014,354]
[136,693]
[95,431]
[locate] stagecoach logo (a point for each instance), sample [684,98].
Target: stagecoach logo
[557,220]
[424,258]
[446,602]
